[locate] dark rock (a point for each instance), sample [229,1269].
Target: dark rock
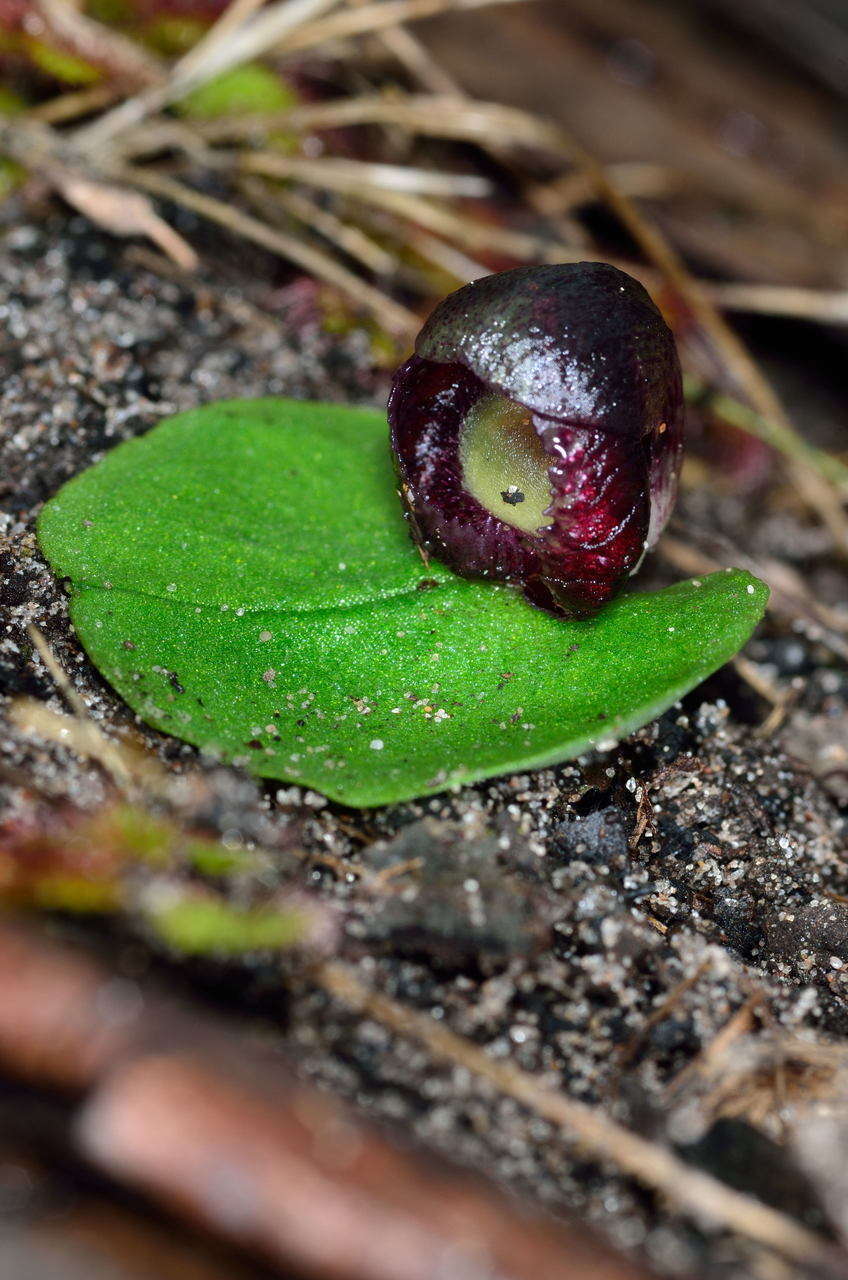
[748,1160]
[462,904]
[819,927]
[672,1035]
[599,837]
[677,841]
[674,737]
[737,917]
[14,586]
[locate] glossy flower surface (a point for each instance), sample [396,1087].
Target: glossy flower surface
[538,429]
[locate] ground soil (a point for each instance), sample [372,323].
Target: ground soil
[557,911]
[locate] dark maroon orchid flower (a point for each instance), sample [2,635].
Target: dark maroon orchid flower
[538,429]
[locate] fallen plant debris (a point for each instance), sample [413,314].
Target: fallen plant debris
[121,860]
[164,1103]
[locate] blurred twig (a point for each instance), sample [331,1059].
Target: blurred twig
[789,443]
[436,115]
[126,213]
[348,237]
[185,1109]
[72,105]
[782,300]
[351,177]
[99,746]
[373,18]
[223,51]
[691,1191]
[287,22]
[120,57]
[391,314]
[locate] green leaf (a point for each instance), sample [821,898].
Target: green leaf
[244,578]
[11,103]
[208,926]
[61,65]
[243,90]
